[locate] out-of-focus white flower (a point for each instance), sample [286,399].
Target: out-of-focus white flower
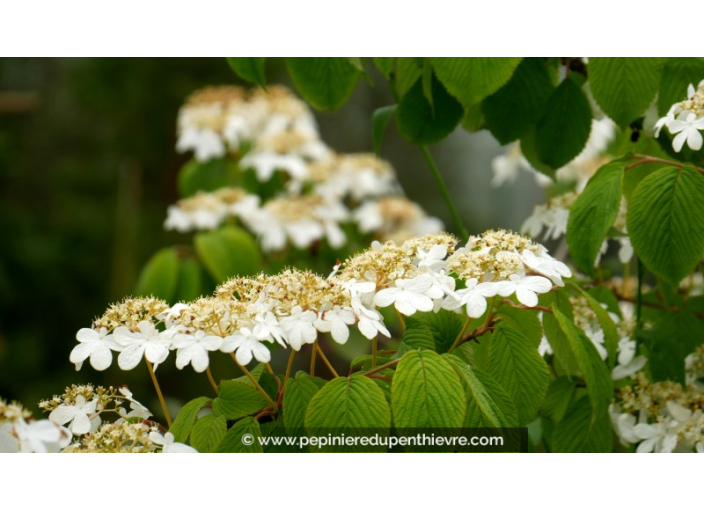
[205,143]
[657,438]
[42,436]
[147,342]
[96,344]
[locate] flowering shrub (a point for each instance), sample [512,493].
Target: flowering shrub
[586,347]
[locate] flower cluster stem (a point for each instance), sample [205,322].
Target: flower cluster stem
[158,393]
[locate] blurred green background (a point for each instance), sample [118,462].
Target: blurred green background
[88,167]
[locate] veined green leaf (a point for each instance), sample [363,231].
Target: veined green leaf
[159,277]
[208,432]
[380,120]
[243,437]
[470,80]
[238,399]
[298,394]
[582,430]
[182,425]
[324,82]
[249,68]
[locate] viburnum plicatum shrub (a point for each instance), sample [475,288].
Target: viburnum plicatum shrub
[594,345]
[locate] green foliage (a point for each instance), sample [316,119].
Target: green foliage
[593,369]
[516,365]
[385,65]
[407,73]
[228,252]
[207,176]
[324,82]
[558,398]
[423,123]
[426,392]
[443,326]
[232,441]
[488,405]
[208,432]
[593,214]
[238,399]
[607,324]
[525,321]
[564,128]
[666,222]
[470,80]
[516,107]
[249,68]
[160,276]
[298,393]
[582,430]
[624,87]
[190,281]
[380,120]
[678,73]
[182,425]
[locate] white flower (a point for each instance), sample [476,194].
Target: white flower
[169,445]
[266,327]
[526,288]
[371,322]
[194,349]
[664,121]
[148,342]
[473,296]
[547,266]
[43,436]
[299,327]
[432,260]
[336,322]
[205,143]
[408,296]
[657,438]
[265,163]
[687,125]
[81,416]
[246,346]
[98,345]
[177,219]
[137,410]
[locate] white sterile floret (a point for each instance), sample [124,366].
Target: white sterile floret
[205,143]
[246,346]
[168,443]
[148,342]
[371,322]
[299,327]
[96,344]
[266,327]
[526,288]
[687,127]
[657,438]
[473,296]
[137,410]
[80,418]
[409,296]
[547,266]
[42,436]
[193,349]
[336,322]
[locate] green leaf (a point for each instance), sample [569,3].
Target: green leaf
[488,405]
[594,213]
[208,432]
[407,73]
[232,442]
[515,364]
[423,124]
[189,286]
[564,128]
[324,82]
[624,87]
[525,321]
[207,176]
[443,326]
[581,430]
[426,392]
[472,79]
[558,398]
[348,403]
[182,425]
[473,119]
[418,335]
[596,375]
[611,336]
[380,120]
[673,336]
[564,358]
[249,68]
[160,276]
[228,252]
[517,106]
[299,392]
[666,222]
[678,73]
[385,65]
[238,399]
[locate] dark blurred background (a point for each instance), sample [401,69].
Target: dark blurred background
[88,167]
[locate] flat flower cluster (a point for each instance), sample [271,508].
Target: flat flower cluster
[75,425]
[274,134]
[685,120]
[290,309]
[662,417]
